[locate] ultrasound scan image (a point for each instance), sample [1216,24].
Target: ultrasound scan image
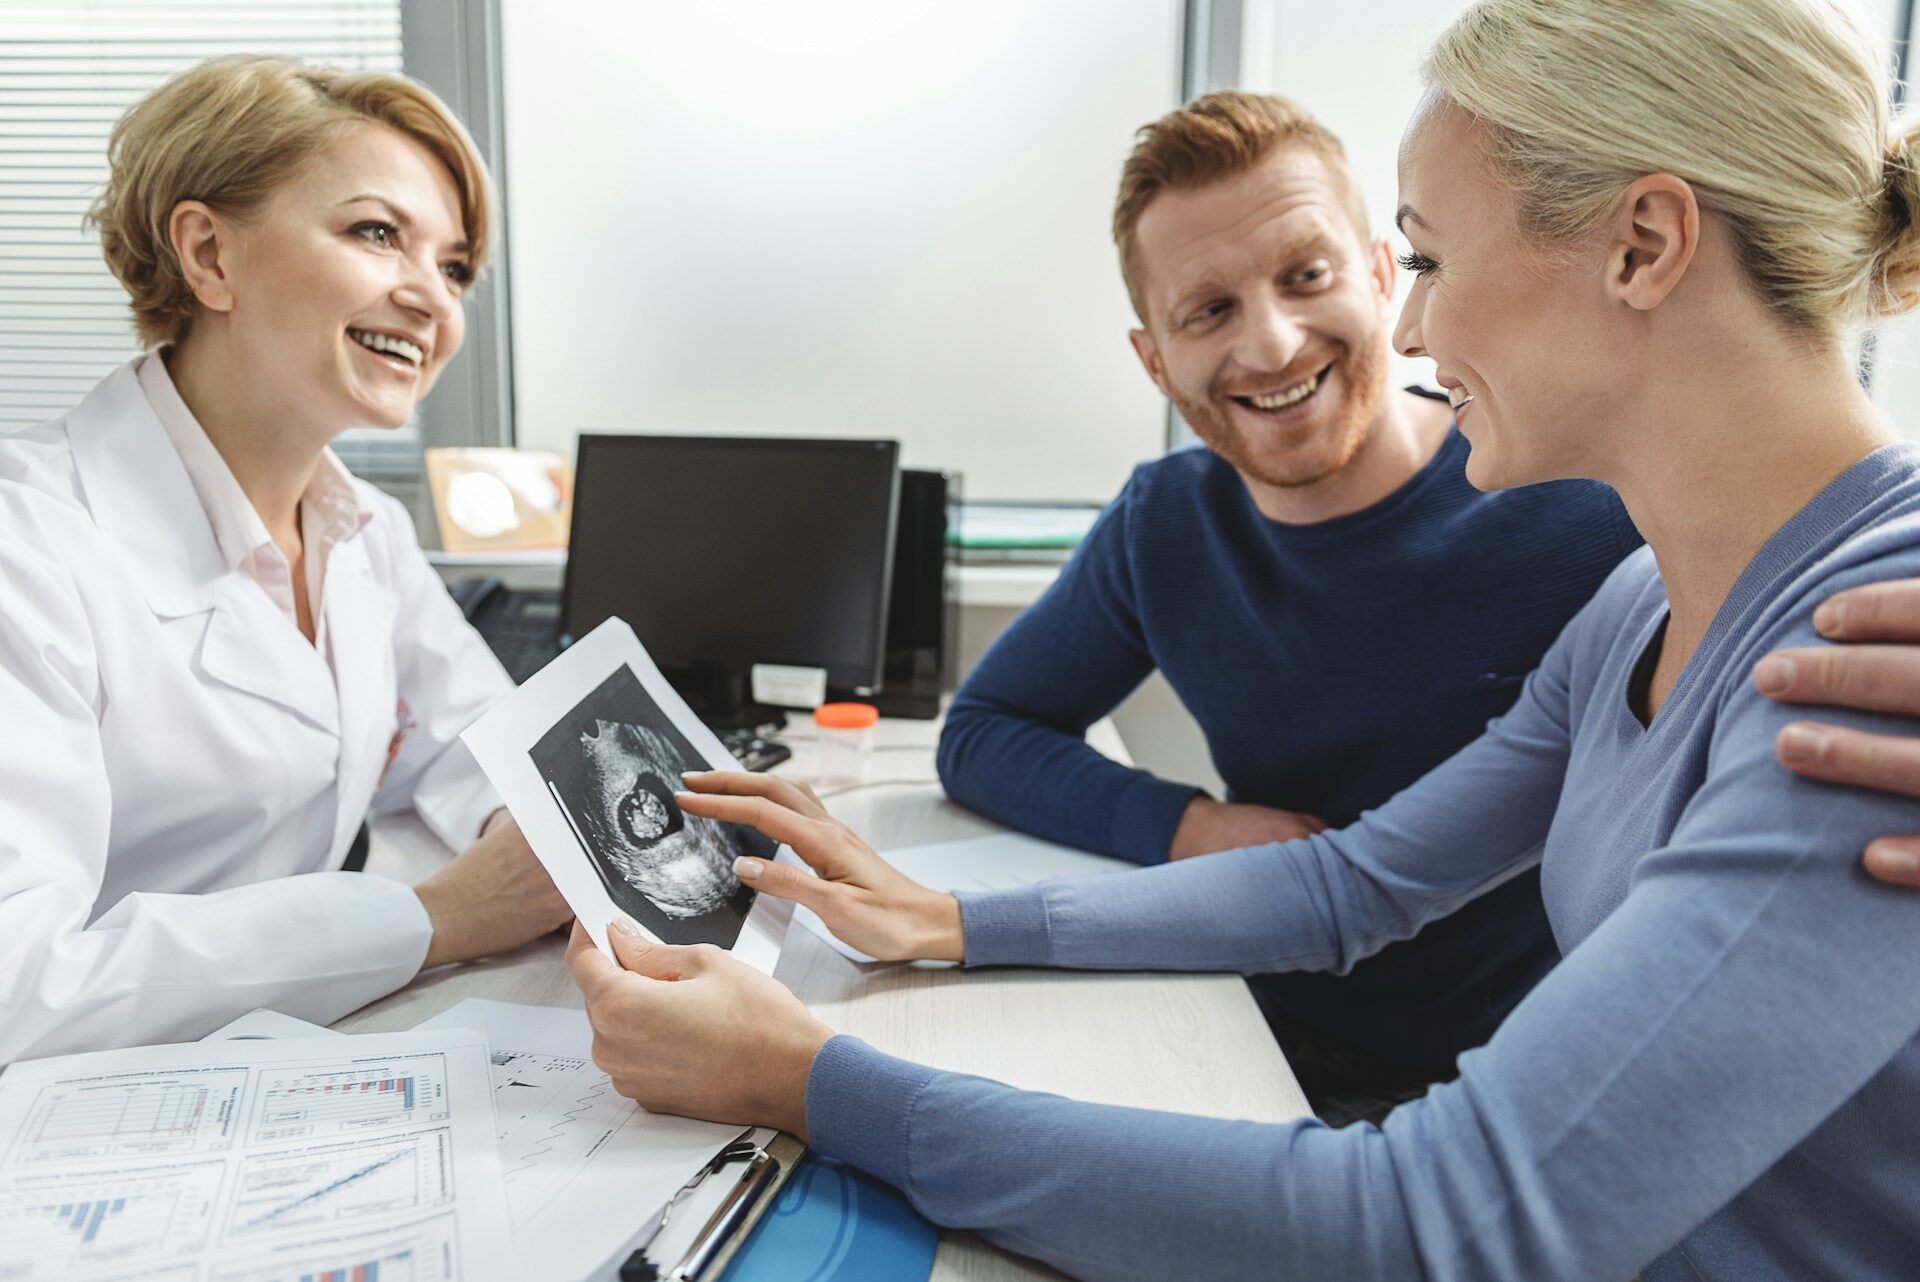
[613,763]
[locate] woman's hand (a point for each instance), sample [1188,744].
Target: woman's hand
[492,896]
[861,897]
[690,1030]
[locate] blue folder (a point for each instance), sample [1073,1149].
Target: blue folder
[831,1223]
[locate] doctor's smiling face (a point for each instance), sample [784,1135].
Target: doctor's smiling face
[345,287]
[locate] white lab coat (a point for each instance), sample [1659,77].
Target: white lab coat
[181,775]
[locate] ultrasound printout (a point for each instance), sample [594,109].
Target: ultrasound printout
[588,754]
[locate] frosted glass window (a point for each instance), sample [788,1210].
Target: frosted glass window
[1357,68]
[67,71]
[864,218]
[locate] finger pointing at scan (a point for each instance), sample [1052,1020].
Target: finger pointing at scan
[790,793]
[783,881]
[825,844]
[864,900]
[771,818]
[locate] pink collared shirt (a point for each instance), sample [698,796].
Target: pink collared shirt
[330,513]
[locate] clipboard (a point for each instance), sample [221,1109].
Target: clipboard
[757,1172]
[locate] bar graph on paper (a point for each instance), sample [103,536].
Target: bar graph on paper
[107,1118]
[392,1268]
[377,1100]
[325,1102]
[397,1266]
[421,1251]
[80,1224]
[313,1159]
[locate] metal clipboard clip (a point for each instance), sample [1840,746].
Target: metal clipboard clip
[760,1173]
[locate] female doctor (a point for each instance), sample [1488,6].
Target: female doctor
[218,650]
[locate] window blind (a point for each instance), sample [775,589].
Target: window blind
[67,71]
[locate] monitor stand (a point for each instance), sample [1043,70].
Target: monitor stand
[718,696]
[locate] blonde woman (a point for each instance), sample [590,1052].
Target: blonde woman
[218,650]
[1643,234]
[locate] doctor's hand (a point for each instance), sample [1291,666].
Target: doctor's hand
[489,898]
[864,900]
[691,1030]
[1208,826]
[1881,677]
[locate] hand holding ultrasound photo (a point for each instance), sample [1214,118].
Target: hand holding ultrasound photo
[588,755]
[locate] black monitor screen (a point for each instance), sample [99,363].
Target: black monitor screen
[737,551]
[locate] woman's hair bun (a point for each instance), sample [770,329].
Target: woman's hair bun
[1897,272]
[1774,111]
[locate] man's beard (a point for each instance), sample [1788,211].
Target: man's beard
[1314,450]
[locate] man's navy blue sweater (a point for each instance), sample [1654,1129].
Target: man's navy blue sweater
[1329,666]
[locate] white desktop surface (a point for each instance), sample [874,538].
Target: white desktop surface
[1187,1043]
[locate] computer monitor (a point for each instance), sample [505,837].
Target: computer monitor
[923,616]
[724,552]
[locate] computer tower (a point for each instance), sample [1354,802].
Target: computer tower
[923,615]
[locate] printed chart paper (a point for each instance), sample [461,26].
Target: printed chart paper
[588,754]
[586,1169]
[255,1160]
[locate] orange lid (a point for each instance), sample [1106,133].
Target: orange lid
[846,716]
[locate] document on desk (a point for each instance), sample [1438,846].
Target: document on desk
[261,1024]
[1001,861]
[254,1161]
[585,1167]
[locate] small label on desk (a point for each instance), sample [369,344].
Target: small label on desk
[786,686]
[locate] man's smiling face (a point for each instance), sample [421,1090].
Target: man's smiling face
[1268,316]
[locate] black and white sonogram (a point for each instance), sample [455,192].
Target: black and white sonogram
[613,764]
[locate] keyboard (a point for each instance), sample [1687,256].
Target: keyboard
[753,750]
[522,628]
[523,646]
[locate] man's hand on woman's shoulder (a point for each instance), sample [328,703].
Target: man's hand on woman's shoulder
[1876,669]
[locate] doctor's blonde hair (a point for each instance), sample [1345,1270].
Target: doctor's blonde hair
[1775,111]
[229,132]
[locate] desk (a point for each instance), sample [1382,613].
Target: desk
[1188,1043]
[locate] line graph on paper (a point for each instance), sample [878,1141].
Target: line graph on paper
[554,1112]
[108,1118]
[404,1091]
[325,1185]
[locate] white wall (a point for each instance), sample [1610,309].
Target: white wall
[870,217]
